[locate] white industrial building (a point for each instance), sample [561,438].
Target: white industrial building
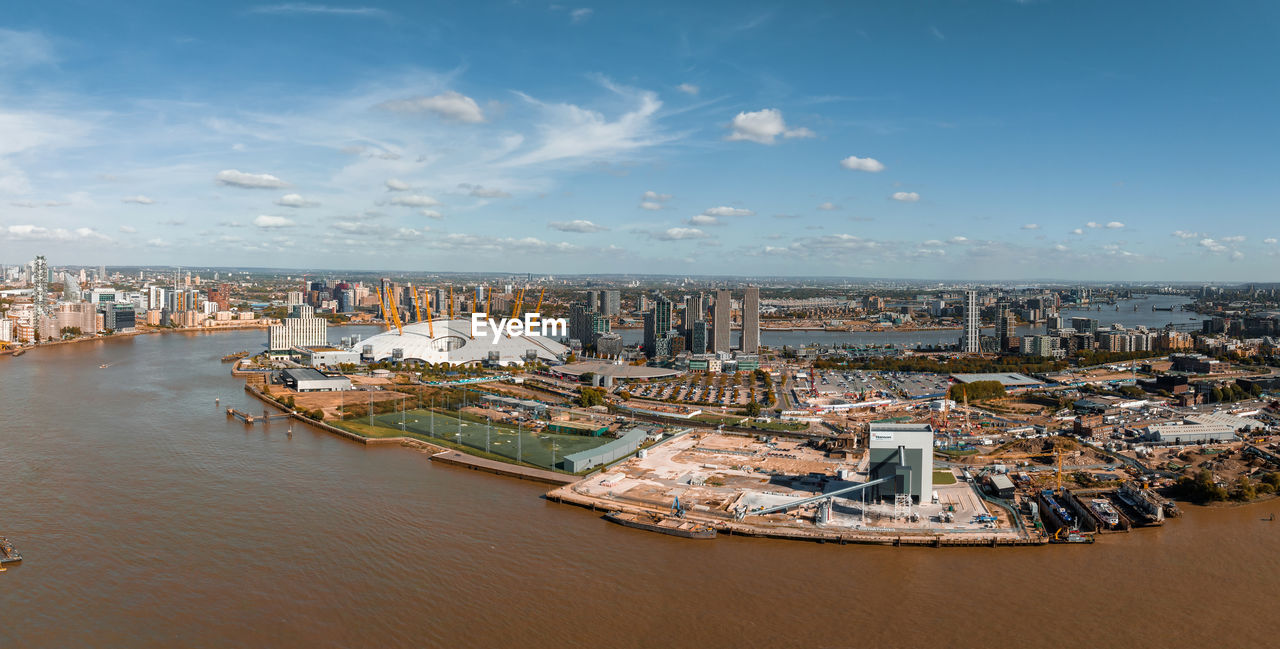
[450,341]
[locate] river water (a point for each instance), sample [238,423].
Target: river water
[1125,315]
[148,519]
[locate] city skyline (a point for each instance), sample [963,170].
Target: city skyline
[1022,140]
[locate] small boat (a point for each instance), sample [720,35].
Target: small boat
[663,525]
[7,553]
[104,366]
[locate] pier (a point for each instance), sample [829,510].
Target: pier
[250,420]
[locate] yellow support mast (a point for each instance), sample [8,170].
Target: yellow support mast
[516,305]
[417,311]
[488,300]
[395,314]
[451,301]
[431,329]
[382,308]
[538,309]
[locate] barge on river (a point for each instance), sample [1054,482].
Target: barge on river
[663,525]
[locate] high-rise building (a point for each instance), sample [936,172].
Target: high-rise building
[40,284]
[612,303]
[593,301]
[751,320]
[1006,328]
[720,322]
[657,328]
[696,335]
[969,343]
[695,308]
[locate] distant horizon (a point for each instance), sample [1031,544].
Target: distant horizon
[744,279]
[877,140]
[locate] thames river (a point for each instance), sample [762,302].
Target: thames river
[148,519]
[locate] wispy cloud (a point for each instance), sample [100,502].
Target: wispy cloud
[295,8]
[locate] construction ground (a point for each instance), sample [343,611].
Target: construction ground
[716,476]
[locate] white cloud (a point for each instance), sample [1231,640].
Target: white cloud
[294,8]
[295,200]
[431,214]
[267,222]
[235,178]
[1060,248]
[704,219]
[855,163]
[1031,226]
[679,234]
[1183,234]
[449,105]
[572,132]
[959,239]
[763,126]
[1114,225]
[578,225]
[414,200]
[1078,231]
[484,192]
[727,211]
[28,232]
[139,199]
[650,205]
[580,15]
[905,197]
[655,196]
[394,185]
[1233,239]
[688,88]
[1271,241]
[1212,246]
[128,229]
[828,206]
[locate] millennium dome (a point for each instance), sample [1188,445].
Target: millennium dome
[450,341]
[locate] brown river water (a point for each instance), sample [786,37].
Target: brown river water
[148,519]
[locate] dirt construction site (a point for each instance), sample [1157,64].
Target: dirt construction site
[722,478]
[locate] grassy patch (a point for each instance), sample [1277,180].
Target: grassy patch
[944,477]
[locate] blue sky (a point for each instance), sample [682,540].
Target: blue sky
[970,140]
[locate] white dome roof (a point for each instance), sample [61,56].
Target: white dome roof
[452,343]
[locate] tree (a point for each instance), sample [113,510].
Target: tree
[753,409]
[1215,395]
